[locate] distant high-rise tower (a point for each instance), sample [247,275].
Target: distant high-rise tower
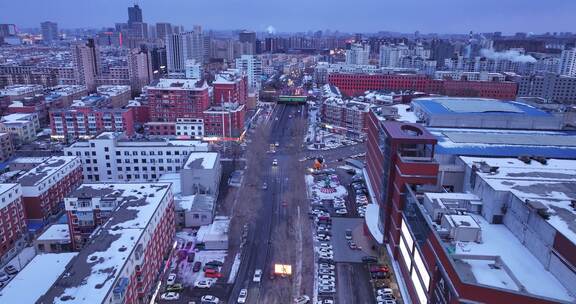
[180,47]
[358,54]
[252,66]
[248,40]
[163,29]
[49,31]
[86,59]
[134,14]
[568,63]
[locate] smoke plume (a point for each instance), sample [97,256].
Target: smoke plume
[511,55]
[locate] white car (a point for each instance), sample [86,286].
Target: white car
[326,266]
[257,276]
[326,271]
[171,279]
[325,251]
[327,283]
[326,256]
[4,277]
[304,299]
[170,296]
[210,299]
[323,238]
[203,284]
[342,211]
[242,296]
[326,245]
[326,289]
[327,277]
[274,162]
[384,298]
[384,291]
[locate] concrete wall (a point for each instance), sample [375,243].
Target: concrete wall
[201,181]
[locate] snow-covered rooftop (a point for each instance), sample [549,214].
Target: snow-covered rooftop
[36,278]
[405,115]
[16,117]
[215,232]
[201,160]
[98,266]
[180,84]
[47,169]
[552,184]
[56,232]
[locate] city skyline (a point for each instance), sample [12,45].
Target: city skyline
[395,16]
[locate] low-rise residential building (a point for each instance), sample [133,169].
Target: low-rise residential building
[13,230]
[26,163]
[87,122]
[191,127]
[170,99]
[45,186]
[125,255]
[6,147]
[21,126]
[230,86]
[550,86]
[55,239]
[160,128]
[114,157]
[224,121]
[119,95]
[62,96]
[345,116]
[19,91]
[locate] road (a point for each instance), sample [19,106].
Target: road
[273,236]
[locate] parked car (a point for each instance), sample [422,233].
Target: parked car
[4,277]
[323,237]
[353,245]
[242,296]
[326,283]
[210,267]
[171,279]
[369,259]
[379,275]
[11,270]
[380,268]
[197,266]
[326,301]
[326,260]
[348,234]
[326,245]
[170,296]
[326,277]
[211,273]
[326,266]
[303,299]
[384,291]
[326,272]
[191,256]
[257,276]
[326,289]
[215,263]
[264,186]
[341,211]
[204,284]
[176,287]
[275,162]
[385,297]
[209,299]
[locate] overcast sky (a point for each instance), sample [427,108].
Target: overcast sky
[439,16]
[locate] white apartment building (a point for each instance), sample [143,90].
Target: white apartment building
[183,46]
[390,55]
[567,63]
[113,157]
[22,126]
[252,66]
[358,54]
[193,127]
[193,69]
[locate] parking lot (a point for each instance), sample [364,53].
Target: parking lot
[342,251]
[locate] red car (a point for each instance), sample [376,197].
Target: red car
[379,268]
[197,266]
[211,273]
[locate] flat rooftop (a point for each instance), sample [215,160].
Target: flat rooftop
[56,232]
[553,185]
[180,84]
[96,269]
[17,117]
[215,232]
[44,170]
[36,278]
[499,259]
[201,160]
[464,105]
[505,143]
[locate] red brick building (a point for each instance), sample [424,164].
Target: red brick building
[45,186]
[345,117]
[177,98]
[87,122]
[353,84]
[230,86]
[224,121]
[140,111]
[132,247]
[12,222]
[160,128]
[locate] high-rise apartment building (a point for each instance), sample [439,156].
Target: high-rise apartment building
[358,54]
[180,47]
[163,29]
[568,63]
[49,31]
[390,55]
[177,98]
[252,66]
[193,69]
[134,14]
[86,63]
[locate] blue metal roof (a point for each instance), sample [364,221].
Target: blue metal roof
[435,106]
[447,146]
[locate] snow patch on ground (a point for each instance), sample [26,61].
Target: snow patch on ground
[188,277]
[234,270]
[315,187]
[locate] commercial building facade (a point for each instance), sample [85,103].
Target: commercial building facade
[170,99]
[87,122]
[13,229]
[353,84]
